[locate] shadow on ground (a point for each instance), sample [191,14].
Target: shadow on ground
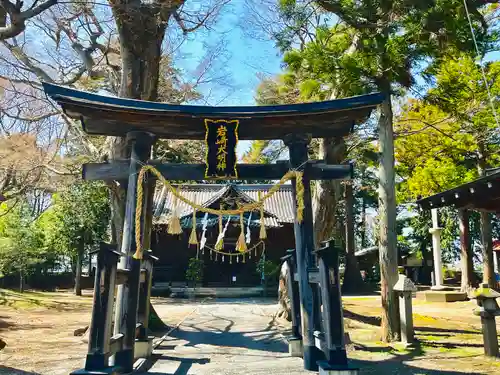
[185,364]
[267,339]
[401,363]
[12,371]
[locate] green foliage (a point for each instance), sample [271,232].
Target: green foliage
[194,272]
[80,213]
[267,267]
[21,241]
[445,139]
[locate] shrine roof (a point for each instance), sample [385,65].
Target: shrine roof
[109,115]
[482,194]
[279,208]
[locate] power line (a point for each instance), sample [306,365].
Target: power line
[481,64]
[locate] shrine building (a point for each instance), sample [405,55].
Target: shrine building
[174,251]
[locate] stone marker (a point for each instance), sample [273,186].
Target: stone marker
[404,288]
[488,309]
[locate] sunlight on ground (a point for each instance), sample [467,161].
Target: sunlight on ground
[38,328]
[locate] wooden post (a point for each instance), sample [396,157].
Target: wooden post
[466,258]
[333,320]
[145,295]
[295,340]
[353,281]
[487,246]
[293,292]
[128,294]
[100,326]
[79,261]
[304,242]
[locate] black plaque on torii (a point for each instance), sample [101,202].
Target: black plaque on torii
[221,140]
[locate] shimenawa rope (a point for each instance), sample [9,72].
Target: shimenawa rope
[254,206]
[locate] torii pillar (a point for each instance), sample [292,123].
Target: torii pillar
[436,250]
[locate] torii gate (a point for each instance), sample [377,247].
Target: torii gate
[142,123]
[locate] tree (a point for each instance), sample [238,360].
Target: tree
[124,48]
[20,242]
[194,272]
[390,38]
[450,137]
[311,76]
[13,18]
[78,220]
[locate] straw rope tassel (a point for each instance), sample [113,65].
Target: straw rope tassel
[174,226]
[241,245]
[299,186]
[138,213]
[220,244]
[263,233]
[193,238]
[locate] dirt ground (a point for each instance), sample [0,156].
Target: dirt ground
[38,329]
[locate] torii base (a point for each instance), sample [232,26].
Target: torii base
[327,369]
[295,347]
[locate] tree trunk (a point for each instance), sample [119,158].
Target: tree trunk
[388,253]
[363,224]
[78,273]
[328,192]
[487,247]
[352,276]
[141,32]
[21,282]
[486,235]
[466,257]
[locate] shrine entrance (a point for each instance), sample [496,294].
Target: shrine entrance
[317,311]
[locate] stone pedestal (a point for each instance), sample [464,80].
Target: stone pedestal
[295,347]
[404,288]
[488,310]
[435,231]
[490,338]
[143,348]
[326,369]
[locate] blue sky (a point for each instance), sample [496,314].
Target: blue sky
[246,58]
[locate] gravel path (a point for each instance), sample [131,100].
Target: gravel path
[226,337]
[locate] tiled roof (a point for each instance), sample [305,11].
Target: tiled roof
[279,208]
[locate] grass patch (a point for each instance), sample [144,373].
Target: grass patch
[49,300]
[424,318]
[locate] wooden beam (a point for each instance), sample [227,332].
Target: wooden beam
[119,170]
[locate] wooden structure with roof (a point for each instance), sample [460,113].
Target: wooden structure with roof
[174,251]
[142,123]
[483,195]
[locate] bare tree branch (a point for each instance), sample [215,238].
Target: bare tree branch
[17,17]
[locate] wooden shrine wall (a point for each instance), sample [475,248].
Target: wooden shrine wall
[174,254]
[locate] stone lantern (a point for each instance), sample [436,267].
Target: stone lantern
[405,288]
[488,310]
